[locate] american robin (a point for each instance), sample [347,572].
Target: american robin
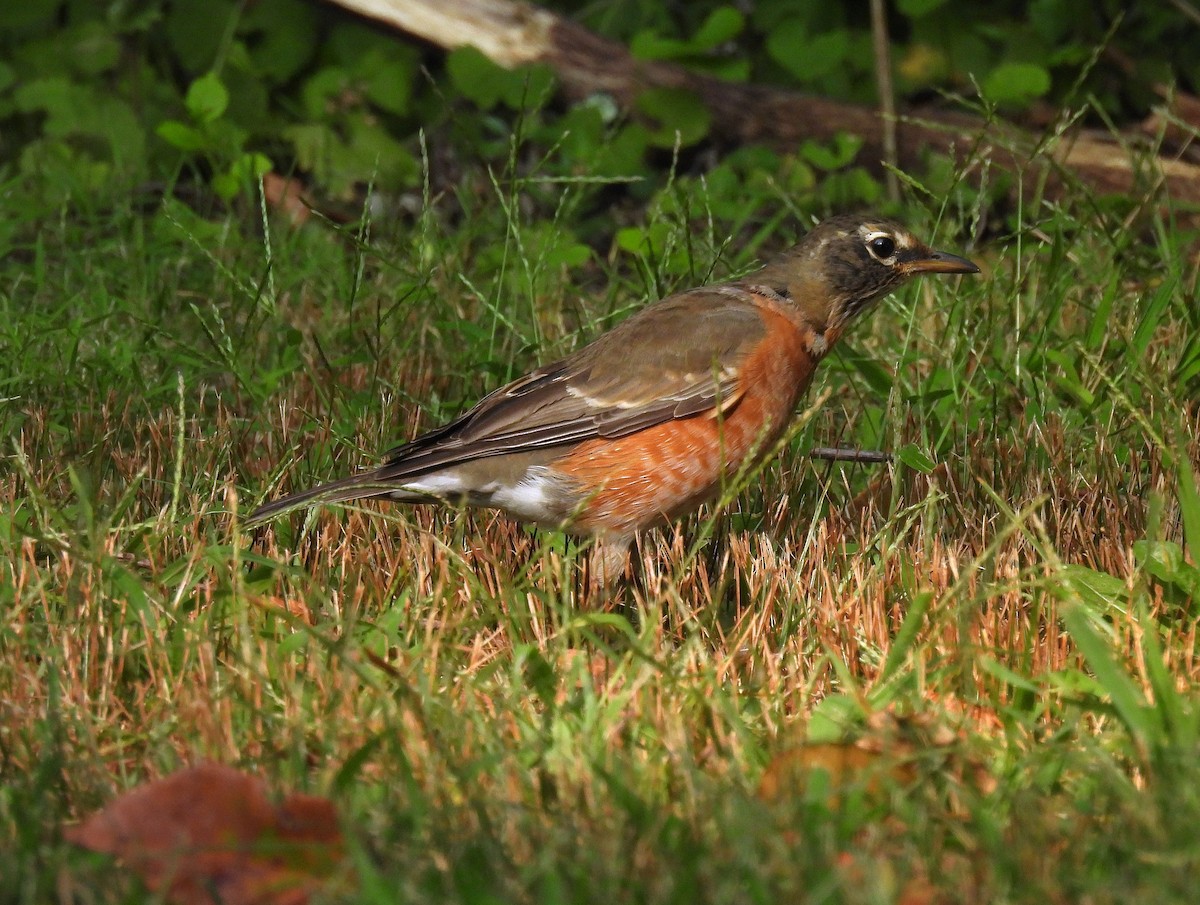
[649,421]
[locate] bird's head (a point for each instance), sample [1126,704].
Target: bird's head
[847,263]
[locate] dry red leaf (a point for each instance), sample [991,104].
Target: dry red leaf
[287,196]
[210,834]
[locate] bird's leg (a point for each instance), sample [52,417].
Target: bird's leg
[607,564]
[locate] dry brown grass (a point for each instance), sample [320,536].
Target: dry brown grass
[154,624]
[451,680]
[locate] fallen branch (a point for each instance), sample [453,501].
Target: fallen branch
[512,34]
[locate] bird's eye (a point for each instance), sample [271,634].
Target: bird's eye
[882,247]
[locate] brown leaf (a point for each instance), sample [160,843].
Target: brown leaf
[209,834]
[287,196]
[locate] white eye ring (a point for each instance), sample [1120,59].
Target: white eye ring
[882,247]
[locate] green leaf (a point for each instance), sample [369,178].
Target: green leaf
[182,136]
[1100,326]
[246,171]
[1189,360]
[53,95]
[650,45]
[648,241]
[476,77]
[808,58]
[1189,506]
[1017,680]
[1127,699]
[206,98]
[833,718]
[1067,378]
[833,155]
[78,109]
[906,637]
[873,371]
[527,85]
[915,459]
[568,254]
[1016,83]
[1152,316]
[723,24]
[29,14]
[1099,590]
[681,116]
[1165,561]
[196,28]
[321,90]
[284,36]
[93,49]
[389,85]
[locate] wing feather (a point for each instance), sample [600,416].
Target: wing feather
[679,358]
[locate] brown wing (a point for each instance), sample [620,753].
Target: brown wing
[677,358]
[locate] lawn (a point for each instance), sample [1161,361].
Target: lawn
[968,676]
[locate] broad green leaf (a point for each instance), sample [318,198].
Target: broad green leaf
[681,116]
[915,459]
[527,86]
[196,29]
[874,371]
[832,155]
[1016,83]
[650,240]
[94,49]
[1165,561]
[54,95]
[389,85]
[833,718]
[246,171]
[808,57]
[476,77]
[650,45]
[180,135]
[1099,590]
[321,90]
[207,98]
[285,36]
[723,24]
[568,254]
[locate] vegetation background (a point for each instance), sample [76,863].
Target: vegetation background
[967,677]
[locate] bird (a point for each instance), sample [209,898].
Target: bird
[654,417]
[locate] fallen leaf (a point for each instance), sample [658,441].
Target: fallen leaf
[209,835]
[286,196]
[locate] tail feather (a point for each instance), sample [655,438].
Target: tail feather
[356,487]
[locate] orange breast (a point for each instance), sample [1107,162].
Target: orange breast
[668,470]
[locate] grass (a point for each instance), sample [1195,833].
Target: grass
[967,678]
